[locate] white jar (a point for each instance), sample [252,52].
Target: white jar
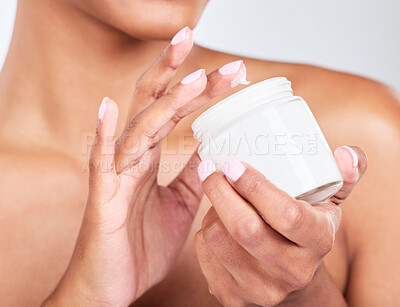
[275,132]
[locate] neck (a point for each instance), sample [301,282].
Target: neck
[60,65]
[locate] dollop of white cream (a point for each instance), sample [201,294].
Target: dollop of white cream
[241,78]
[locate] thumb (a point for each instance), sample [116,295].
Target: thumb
[352,163]
[101,163]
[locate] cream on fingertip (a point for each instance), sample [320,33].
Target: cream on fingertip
[241,78]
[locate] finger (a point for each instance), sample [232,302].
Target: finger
[226,249]
[187,185]
[102,167]
[153,83]
[245,268]
[352,163]
[220,282]
[256,279]
[296,220]
[146,129]
[282,269]
[240,219]
[218,82]
[154,123]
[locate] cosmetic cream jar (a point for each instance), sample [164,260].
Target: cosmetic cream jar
[267,127]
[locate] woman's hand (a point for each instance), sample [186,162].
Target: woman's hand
[133,229]
[248,261]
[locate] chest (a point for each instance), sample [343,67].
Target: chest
[41,209]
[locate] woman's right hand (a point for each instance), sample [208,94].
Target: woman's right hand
[133,229]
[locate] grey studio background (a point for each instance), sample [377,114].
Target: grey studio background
[356,36]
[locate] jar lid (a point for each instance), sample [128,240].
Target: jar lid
[249,98]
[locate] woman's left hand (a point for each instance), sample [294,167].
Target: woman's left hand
[248,261]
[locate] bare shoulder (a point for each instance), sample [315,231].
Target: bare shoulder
[31,172]
[40,213]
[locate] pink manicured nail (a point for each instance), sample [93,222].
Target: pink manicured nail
[230,68]
[194,76]
[353,155]
[205,169]
[103,108]
[180,36]
[233,169]
[238,68]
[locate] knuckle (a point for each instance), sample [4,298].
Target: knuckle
[141,86]
[132,126]
[230,300]
[136,132]
[248,230]
[146,88]
[240,303]
[168,60]
[275,297]
[177,117]
[253,186]
[326,245]
[214,185]
[213,231]
[170,64]
[302,277]
[139,83]
[293,216]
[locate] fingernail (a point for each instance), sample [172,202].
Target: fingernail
[230,68]
[353,155]
[103,108]
[233,169]
[180,36]
[194,76]
[205,169]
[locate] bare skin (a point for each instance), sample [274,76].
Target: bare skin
[44,178]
